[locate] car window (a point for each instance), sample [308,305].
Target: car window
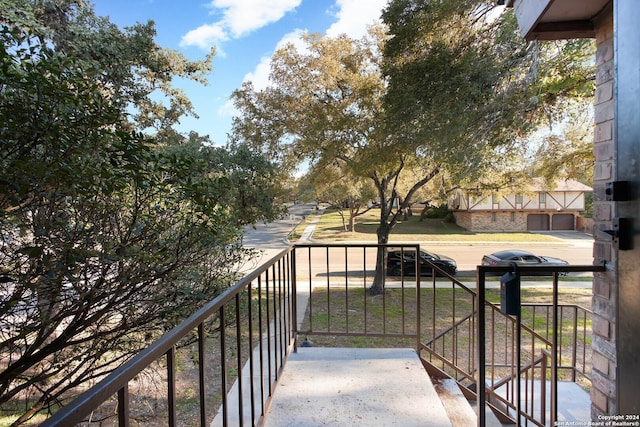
[406,255]
[531,259]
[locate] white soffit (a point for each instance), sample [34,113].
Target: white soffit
[557,19]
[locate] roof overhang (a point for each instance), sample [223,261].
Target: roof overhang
[557,19]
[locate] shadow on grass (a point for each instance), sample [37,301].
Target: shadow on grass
[413,225]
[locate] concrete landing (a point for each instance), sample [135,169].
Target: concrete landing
[355,387]
[574,403]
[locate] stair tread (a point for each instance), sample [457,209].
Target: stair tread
[461,412]
[455,404]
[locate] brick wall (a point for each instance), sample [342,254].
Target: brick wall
[603,391]
[503,221]
[485,221]
[463,219]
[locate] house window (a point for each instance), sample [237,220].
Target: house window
[494,217]
[513,216]
[543,198]
[519,198]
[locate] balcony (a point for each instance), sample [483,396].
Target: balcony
[241,358]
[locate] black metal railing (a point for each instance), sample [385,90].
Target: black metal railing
[518,355]
[449,343]
[324,292]
[511,377]
[340,301]
[249,328]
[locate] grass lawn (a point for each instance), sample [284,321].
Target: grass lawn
[330,227]
[352,318]
[355,311]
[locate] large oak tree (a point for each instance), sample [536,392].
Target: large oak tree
[447,89]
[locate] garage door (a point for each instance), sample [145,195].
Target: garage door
[537,222]
[562,222]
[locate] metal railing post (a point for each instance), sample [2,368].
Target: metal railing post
[554,352]
[201,375]
[418,309]
[294,299]
[481,386]
[518,364]
[123,407]
[171,386]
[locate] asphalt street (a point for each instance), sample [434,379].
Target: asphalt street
[271,238]
[575,247]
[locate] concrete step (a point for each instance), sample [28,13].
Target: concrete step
[461,412]
[457,406]
[356,387]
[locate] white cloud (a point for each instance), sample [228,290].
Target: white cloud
[245,16]
[205,36]
[227,109]
[295,38]
[260,76]
[239,18]
[355,15]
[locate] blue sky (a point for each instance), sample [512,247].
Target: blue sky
[245,33]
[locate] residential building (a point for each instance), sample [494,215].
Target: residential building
[536,208]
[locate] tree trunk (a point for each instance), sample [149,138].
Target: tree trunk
[377,288]
[353,210]
[423,213]
[344,223]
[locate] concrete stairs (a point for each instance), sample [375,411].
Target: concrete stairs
[461,412]
[574,404]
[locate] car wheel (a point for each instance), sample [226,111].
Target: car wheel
[393,270]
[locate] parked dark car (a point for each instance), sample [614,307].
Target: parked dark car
[402,262]
[521,258]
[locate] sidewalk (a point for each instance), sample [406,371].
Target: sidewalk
[308,231]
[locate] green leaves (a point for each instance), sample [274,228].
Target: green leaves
[466,86]
[108,235]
